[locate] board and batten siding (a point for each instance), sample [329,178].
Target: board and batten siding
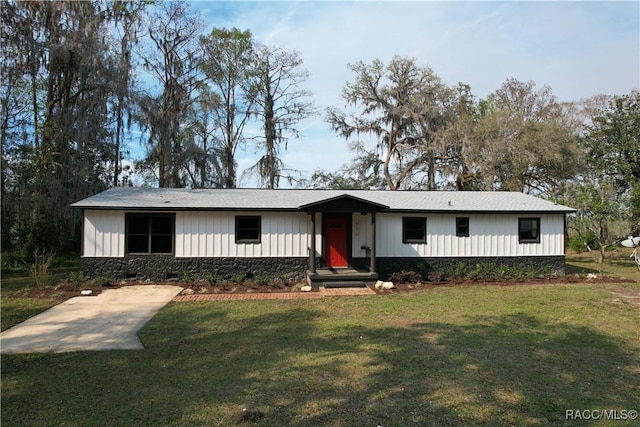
[490,235]
[212,234]
[206,234]
[103,234]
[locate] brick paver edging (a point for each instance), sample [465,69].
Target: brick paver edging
[256,296]
[277,295]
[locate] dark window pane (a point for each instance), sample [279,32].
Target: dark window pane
[138,224]
[462,227]
[248,229]
[529,230]
[138,243]
[150,233]
[414,230]
[162,225]
[161,244]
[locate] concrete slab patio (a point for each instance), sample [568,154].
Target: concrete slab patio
[109,321]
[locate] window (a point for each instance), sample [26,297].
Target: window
[248,229]
[529,230]
[462,227]
[414,230]
[150,233]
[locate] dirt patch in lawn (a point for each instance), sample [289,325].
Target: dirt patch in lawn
[414,287]
[66,290]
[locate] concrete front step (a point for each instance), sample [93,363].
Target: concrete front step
[344,284]
[341,278]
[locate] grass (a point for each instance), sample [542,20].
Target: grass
[617,264]
[16,306]
[484,355]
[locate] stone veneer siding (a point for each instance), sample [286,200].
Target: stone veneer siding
[164,267]
[387,266]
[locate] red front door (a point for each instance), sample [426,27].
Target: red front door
[335,230]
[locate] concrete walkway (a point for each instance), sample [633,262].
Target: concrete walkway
[109,321]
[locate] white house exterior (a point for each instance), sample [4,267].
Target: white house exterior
[163,233]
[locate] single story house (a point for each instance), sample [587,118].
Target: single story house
[160,233]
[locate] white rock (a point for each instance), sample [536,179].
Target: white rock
[591,276]
[86,292]
[378,284]
[387,285]
[306,288]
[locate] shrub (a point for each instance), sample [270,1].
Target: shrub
[579,242]
[280,282]
[76,278]
[405,276]
[104,280]
[212,276]
[238,278]
[262,279]
[188,277]
[39,270]
[436,276]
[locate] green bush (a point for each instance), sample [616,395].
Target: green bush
[188,277]
[104,280]
[11,264]
[405,276]
[579,242]
[491,271]
[77,278]
[437,276]
[262,279]
[212,276]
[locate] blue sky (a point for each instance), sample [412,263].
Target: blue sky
[579,49]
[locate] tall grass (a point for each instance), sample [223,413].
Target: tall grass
[39,270]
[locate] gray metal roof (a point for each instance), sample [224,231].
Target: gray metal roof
[128,198]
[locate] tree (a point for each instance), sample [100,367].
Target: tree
[173,58]
[127,16]
[607,190]
[228,66]
[599,211]
[523,140]
[57,139]
[456,140]
[362,174]
[281,103]
[612,149]
[403,106]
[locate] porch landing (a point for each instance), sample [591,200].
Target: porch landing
[341,278]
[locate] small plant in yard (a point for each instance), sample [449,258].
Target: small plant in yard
[212,276]
[262,279]
[105,280]
[436,276]
[238,278]
[188,277]
[39,270]
[460,271]
[280,282]
[405,276]
[77,278]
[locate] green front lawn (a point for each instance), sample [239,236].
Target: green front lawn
[485,355]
